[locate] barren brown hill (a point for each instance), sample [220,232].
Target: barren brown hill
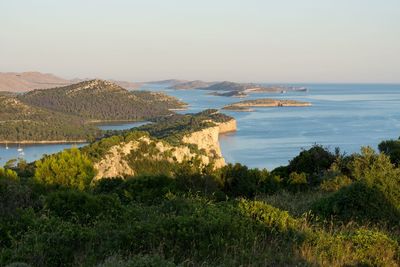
[26,81]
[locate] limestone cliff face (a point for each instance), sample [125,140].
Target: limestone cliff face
[207,139]
[115,164]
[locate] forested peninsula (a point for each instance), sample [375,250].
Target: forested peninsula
[66,113]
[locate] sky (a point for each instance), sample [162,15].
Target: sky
[238,40]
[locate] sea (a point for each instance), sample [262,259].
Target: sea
[347,116]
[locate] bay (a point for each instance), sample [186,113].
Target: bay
[347,116]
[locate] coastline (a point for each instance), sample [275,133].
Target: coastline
[28,142]
[266,103]
[178,109]
[112,121]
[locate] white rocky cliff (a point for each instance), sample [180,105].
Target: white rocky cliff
[114,164]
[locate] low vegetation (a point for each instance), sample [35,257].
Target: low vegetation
[323,209]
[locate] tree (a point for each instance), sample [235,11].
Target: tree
[69,168]
[238,180]
[297,181]
[8,174]
[313,162]
[392,149]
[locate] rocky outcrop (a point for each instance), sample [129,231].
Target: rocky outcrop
[207,139]
[265,102]
[226,127]
[115,164]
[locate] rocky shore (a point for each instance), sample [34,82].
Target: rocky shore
[247,105]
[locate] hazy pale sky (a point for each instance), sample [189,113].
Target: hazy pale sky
[239,40]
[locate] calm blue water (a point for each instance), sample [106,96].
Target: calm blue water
[121,126]
[344,115]
[34,152]
[31,152]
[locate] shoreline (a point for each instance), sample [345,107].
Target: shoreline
[178,109]
[249,105]
[112,121]
[29,142]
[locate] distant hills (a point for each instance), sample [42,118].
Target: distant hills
[64,113]
[191,85]
[27,81]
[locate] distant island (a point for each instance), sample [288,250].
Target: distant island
[191,85]
[246,105]
[227,88]
[232,89]
[238,94]
[65,114]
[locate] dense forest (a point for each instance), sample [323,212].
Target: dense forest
[102,100]
[65,113]
[19,121]
[324,208]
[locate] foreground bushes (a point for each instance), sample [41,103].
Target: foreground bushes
[116,223]
[361,247]
[206,218]
[70,168]
[359,202]
[374,197]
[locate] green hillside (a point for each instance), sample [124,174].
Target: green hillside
[65,113]
[102,100]
[22,122]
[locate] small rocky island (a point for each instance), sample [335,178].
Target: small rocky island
[247,105]
[232,89]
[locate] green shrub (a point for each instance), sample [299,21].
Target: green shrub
[392,149]
[52,242]
[313,162]
[145,189]
[8,174]
[375,196]
[137,261]
[374,248]
[361,202]
[273,218]
[15,196]
[297,181]
[238,180]
[296,203]
[361,247]
[18,264]
[108,185]
[335,183]
[194,177]
[82,207]
[69,168]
